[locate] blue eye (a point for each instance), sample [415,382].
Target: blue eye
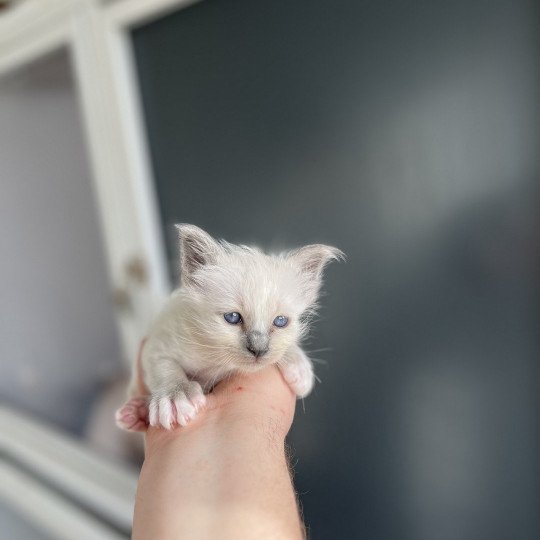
[233,317]
[280,321]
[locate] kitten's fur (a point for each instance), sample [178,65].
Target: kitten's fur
[191,347]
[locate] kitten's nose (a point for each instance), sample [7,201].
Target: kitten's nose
[257,343]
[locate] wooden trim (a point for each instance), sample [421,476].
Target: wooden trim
[97,36]
[29,31]
[129,13]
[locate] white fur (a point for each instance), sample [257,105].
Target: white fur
[191,347]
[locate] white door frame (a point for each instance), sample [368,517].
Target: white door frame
[97,36]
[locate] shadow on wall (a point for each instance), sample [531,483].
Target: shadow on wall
[438,407]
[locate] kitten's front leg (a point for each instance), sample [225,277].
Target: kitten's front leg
[174,398]
[297,370]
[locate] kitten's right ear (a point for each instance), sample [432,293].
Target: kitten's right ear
[311,261]
[197,249]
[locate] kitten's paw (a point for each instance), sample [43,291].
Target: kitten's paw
[177,406]
[299,376]
[133,415]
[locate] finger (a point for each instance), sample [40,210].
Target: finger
[265,388]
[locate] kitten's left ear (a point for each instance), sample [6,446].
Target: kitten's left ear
[312,259]
[197,249]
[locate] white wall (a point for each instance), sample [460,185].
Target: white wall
[57,333]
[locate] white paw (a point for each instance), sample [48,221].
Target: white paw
[179,405]
[300,377]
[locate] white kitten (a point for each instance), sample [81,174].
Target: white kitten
[237,309]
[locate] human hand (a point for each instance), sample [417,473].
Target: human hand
[224,475]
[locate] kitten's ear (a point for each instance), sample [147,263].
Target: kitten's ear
[312,259]
[197,249]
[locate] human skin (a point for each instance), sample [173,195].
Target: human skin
[225,475]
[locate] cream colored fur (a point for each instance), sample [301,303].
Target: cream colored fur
[191,347]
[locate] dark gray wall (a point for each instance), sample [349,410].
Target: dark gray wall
[405,133]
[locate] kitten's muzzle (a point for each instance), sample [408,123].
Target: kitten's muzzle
[257,343]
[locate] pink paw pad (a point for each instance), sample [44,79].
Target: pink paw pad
[133,415]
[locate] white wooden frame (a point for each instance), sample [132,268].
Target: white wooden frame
[35,481]
[97,35]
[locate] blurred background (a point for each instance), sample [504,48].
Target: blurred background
[404,132]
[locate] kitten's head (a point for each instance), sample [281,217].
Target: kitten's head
[247,308]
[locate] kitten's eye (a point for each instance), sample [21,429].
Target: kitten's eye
[233,317]
[280,321]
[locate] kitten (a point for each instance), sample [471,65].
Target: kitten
[237,309]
